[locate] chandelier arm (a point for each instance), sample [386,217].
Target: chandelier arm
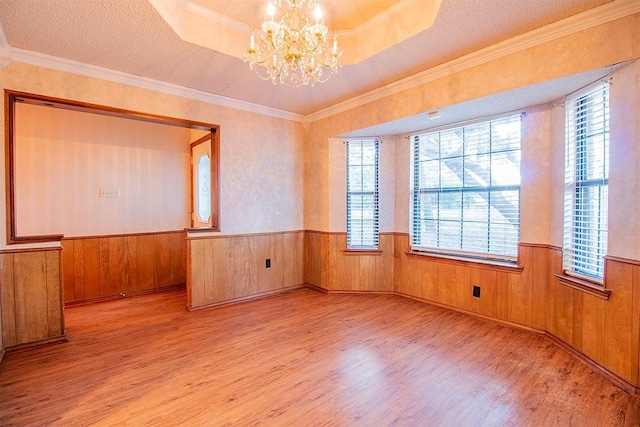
[320,60]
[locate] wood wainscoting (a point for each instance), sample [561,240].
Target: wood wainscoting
[226,269]
[513,294]
[31,295]
[606,331]
[603,333]
[330,267]
[107,267]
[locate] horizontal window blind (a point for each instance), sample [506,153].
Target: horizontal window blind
[466,189]
[362,194]
[586,183]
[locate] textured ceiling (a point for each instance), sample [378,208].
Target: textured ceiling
[131,36]
[339,14]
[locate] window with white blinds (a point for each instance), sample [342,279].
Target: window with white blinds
[586,183]
[466,189]
[362,194]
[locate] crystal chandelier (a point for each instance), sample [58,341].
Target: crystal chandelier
[293,51]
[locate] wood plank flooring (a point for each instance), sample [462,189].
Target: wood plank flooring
[301,358]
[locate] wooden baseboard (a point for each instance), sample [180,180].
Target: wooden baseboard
[474,314]
[611,376]
[317,289]
[247,298]
[34,345]
[2,360]
[170,288]
[361,292]
[346,292]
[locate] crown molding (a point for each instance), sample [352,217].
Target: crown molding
[3,38]
[66,65]
[588,19]
[220,18]
[573,24]
[5,49]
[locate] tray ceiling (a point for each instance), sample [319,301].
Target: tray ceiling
[131,36]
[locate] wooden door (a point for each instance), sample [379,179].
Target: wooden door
[201,179]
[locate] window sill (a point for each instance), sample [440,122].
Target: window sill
[362,252]
[509,267]
[35,239]
[201,229]
[586,286]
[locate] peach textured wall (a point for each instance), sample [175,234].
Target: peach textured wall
[402,181]
[316,177]
[63,159]
[556,174]
[624,151]
[261,164]
[535,184]
[529,66]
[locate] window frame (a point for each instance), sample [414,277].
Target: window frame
[578,111]
[419,247]
[373,195]
[11,98]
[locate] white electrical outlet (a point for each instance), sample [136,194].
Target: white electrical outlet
[110,193]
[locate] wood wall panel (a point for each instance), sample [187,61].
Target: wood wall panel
[444,281]
[31,297]
[316,258]
[636,321]
[539,280]
[618,340]
[593,328]
[401,268]
[8,302]
[230,268]
[487,303]
[95,268]
[328,264]
[520,291]
[606,331]
[293,252]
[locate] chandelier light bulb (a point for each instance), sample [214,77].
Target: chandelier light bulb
[271,11]
[317,13]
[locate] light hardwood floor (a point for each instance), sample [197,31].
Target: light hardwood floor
[301,358]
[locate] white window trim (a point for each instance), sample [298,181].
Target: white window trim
[487,258]
[568,216]
[376,195]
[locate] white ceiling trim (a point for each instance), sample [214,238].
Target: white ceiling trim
[593,17]
[220,18]
[61,64]
[3,38]
[5,49]
[582,21]
[377,20]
